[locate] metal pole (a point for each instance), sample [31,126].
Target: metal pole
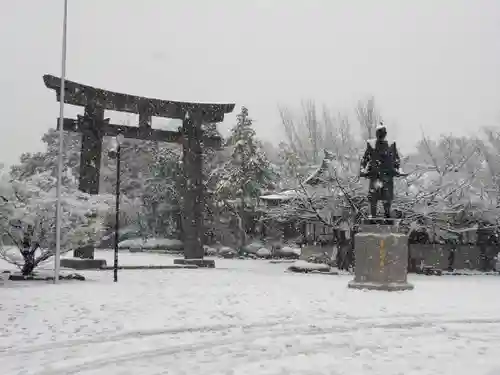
[117,212]
[57,258]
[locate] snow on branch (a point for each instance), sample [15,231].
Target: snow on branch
[29,206]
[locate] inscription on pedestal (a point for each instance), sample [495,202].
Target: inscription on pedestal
[381,259]
[382,255]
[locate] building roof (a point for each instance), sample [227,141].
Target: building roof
[282,196]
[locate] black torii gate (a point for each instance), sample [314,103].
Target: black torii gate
[93,127]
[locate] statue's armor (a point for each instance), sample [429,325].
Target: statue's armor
[380,164]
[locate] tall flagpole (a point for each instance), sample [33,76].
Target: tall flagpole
[57,258]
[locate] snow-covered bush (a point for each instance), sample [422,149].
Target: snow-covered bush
[263,253]
[227,252]
[288,252]
[152,244]
[253,247]
[28,218]
[303,266]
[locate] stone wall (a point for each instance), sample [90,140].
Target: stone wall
[436,255]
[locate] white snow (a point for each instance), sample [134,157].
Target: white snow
[209,250]
[303,265]
[263,252]
[254,247]
[14,256]
[12,253]
[247,317]
[288,250]
[284,195]
[226,250]
[150,243]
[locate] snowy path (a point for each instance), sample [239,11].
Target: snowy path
[248,318]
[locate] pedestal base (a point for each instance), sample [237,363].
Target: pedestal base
[83,264]
[204,263]
[381,254]
[86,252]
[388,287]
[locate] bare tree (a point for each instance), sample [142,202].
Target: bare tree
[368,117]
[312,131]
[490,179]
[441,190]
[313,128]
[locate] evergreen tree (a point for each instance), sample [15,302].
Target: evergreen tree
[245,176]
[248,172]
[160,193]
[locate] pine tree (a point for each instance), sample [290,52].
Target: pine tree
[245,175]
[248,172]
[161,195]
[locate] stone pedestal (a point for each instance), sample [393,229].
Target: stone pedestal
[83,264]
[381,258]
[85,252]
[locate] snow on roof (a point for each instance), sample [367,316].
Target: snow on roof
[284,195]
[317,175]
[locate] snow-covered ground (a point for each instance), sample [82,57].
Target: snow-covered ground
[247,317]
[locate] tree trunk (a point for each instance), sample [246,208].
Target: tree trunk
[29,261]
[483,261]
[241,225]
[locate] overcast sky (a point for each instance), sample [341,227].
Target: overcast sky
[430,64]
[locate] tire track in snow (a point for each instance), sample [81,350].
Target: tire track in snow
[101,339]
[148,354]
[253,355]
[140,334]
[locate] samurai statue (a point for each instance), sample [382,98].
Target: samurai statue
[380,164]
